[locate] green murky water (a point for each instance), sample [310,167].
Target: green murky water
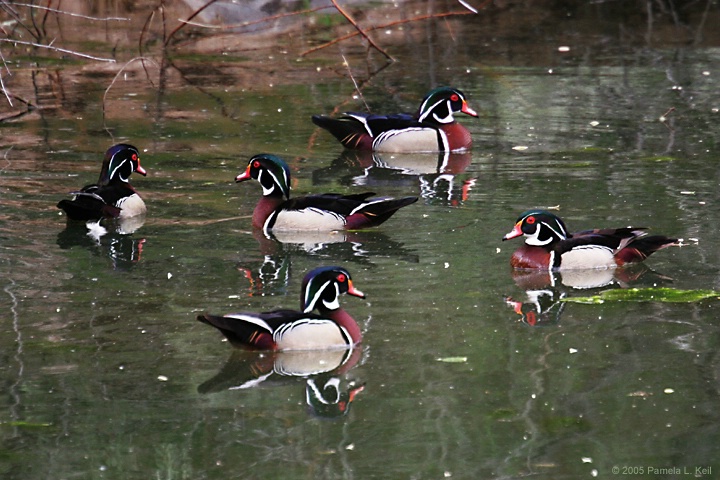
[466,370]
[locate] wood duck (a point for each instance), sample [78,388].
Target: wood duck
[432,129]
[112,196]
[548,245]
[324,212]
[331,328]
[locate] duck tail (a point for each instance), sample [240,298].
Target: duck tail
[377,211]
[238,332]
[348,130]
[641,248]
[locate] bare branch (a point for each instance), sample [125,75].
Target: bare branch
[255,22]
[391,24]
[53,10]
[2,84]
[57,49]
[194,14]
[360,30]
[4,90]
[357,88]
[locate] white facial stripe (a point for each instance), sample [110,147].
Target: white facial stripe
[112,173]
[266,191]
[428,110]
[449,118]
[532,239]
[311,306]
[560,234]
[276,182]
[334,304]
[320,394]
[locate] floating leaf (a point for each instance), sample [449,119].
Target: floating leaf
[659,158]
[29,424]
[670,295]
[453,359]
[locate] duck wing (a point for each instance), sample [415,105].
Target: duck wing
[614,239]
[94,202]
[357,130]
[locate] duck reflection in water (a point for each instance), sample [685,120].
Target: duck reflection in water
[272,273]
[329,391]
[435,173]
[110,238]
[545,290]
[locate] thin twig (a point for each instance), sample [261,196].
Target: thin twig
[107,90]
[217,99]
[142,36]
[15,17]
[391,24]
[54,10]
[182,24]
[2,84]
[57,49]
[360,30]
[4,90]
[357,89]
[468,6]
[360,86]
[255,22]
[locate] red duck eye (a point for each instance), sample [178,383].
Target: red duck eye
[256,164]
[134,156]
[530,220]
[454,97]
[341,278]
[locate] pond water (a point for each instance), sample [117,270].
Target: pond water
[467,370]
